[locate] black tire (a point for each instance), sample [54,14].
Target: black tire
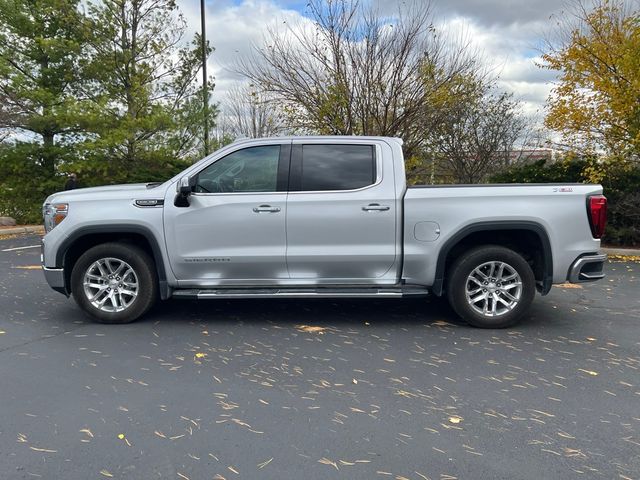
[142,265]
[483,256]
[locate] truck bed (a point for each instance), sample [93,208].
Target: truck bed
[434,214]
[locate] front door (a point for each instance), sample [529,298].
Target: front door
[233,231]
[341,214]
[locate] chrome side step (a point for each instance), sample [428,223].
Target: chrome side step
[302,292]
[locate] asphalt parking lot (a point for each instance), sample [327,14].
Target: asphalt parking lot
[283,389]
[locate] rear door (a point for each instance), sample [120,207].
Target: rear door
[341,213]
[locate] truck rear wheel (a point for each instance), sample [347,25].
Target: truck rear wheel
[491,286]
[114,282]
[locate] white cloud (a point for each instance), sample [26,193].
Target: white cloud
[509,50]
[495,12]
[233,30]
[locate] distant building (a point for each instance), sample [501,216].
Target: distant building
[532,155]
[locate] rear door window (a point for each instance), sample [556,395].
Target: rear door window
[337,167]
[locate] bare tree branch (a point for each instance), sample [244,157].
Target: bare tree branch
[352,71]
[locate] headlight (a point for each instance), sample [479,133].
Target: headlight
[53,214]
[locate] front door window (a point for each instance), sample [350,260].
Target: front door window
[253,169]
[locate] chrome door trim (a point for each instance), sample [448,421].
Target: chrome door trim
[235,193]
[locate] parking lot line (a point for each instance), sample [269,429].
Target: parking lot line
[19,248]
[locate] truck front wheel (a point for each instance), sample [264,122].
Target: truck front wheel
[114,282]
[491,286]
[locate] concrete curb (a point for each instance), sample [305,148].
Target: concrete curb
[27,229]
[634,252]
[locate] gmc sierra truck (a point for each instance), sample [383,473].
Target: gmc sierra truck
[319,217]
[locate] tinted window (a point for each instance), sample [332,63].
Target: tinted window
[337,167]
[252,169]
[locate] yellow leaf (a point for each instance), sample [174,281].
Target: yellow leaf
[200,355]
[326,461]
[311,329]
[45,450]
[264,464]
[121,436]
[442,323]
[455,420]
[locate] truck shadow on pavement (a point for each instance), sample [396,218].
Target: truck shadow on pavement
[323,312]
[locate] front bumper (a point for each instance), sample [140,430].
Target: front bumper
[55,278]
[587,268]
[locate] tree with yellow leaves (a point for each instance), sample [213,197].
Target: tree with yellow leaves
[596,104]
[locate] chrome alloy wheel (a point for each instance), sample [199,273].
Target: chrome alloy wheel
[493,289]
[110,284]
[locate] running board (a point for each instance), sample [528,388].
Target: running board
[302,292]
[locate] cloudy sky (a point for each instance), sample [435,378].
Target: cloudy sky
[508,32]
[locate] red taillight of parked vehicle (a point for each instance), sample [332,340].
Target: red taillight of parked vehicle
[597,209]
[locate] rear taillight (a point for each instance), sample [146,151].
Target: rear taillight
[597,210]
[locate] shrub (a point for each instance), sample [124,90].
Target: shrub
[25,184]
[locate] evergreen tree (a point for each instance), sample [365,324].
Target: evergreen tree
[42,44]
[147,110]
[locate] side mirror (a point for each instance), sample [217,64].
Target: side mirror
[186,185]
[184,188]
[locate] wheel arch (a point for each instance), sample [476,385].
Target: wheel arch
[84,238]
[507,233]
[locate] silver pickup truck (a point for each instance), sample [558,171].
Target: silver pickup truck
[319,217]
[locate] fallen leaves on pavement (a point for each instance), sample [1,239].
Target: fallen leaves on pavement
[568,285]
[625,258]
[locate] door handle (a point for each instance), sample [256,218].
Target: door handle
[266,209]
[376,207]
